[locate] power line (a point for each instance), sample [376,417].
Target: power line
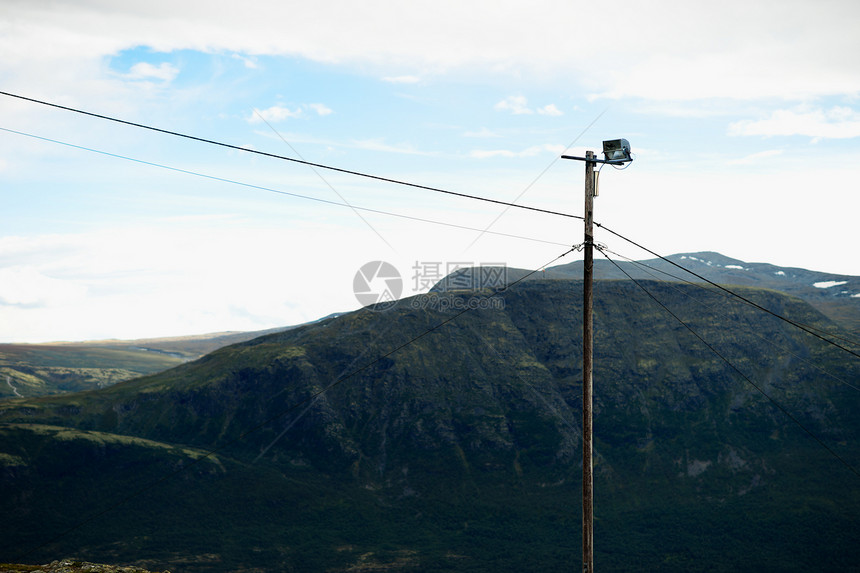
[278,191]
[294,160]
[324,180]
[736,369]
[732,293]
[725,294]
[835,335]
[712,308]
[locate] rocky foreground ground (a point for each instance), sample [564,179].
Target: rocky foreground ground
[71,566]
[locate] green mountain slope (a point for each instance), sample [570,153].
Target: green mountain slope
[455,446]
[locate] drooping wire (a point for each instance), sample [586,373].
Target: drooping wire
[293,159]
[325,181]
[278,191]
[605,250]
[312,397]
[834,335]
[737,370]
[732,293]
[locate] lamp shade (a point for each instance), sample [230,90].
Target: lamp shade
[617,150]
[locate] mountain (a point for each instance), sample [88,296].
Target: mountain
[416,437]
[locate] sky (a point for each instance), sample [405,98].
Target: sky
[743,118]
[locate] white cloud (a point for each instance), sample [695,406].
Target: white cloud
[835,123]
[250,63]
[274,114]
[320,108]
[550,109]
[517,105]
[278,113]
[165,72]
[189,275]
[27,286]
[661,50]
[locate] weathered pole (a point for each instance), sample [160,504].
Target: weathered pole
[587,369]
[617,152]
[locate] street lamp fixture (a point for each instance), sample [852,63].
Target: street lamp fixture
[617,150]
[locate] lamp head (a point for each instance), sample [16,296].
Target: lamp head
[617,150]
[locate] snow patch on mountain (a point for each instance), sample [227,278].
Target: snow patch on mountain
[710,263]
[698,260]
[829,284]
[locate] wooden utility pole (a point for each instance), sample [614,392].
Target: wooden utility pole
[587,369]
[617,152]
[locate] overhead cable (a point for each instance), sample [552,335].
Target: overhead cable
[736,369]
[293,159]
[734,294]
[713,308]
[724,294]
[278,191]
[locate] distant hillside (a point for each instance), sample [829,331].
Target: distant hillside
[44,369]
[416,439]
[837,296]
[28,370]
